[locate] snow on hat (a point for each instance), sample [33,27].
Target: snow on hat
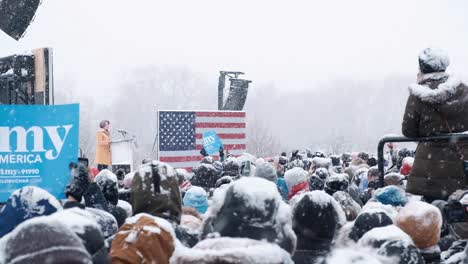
[433,60]
[126,206]
[196,197]
[108,183]
[251,207]
[403,251]
[393,178]
[353,256]
[391,195]
[319,162]
[422,222]
[386,208]
[87,229]
[128,179]
[315,183]
[43,240]
[26,203]
[295,177]
[407,166]
[349,206]
[323,173]
[106,221]
[267,171]
[367,220]
[232,250]
[336,182]
[379,235]
[316,216]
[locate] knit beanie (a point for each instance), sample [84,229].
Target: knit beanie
[422,222]
[44,240]
[368,220]
[433,60]
[196,197]
[267,171]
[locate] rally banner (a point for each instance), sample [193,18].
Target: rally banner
[37,143]
[211,142]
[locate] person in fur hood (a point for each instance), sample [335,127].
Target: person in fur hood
[437,104]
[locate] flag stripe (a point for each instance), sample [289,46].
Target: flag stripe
[193,153]
[224,136]
[220,125]
[220,114]
[219,119]
[221,130]
[227,141]
[227,147]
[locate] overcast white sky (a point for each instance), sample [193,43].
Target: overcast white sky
[290,43]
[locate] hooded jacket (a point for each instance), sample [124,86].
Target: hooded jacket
[438,169]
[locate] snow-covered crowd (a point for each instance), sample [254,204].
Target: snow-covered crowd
[300,208]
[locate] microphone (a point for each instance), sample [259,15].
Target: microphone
[122,131]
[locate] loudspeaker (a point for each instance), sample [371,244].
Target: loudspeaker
[237,95]
[16,15]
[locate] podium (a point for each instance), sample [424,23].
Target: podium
[122,155]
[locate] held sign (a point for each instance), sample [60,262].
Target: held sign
[211,142]
[37,143]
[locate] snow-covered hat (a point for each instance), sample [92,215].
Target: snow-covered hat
[392,195]
[379,235]
[350,207]
[43,240]
[433,60]
[267,171]
[367,220]
[251,207]
[403,251]
[422,222]
[316,217]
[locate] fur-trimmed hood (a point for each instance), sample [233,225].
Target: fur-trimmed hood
[435,88]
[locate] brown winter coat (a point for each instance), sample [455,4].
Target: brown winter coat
[144,241]
[438,167]
[103,149]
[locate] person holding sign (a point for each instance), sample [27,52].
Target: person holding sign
[103,149]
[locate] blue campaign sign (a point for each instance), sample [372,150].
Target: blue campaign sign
[211,142]
[37,143]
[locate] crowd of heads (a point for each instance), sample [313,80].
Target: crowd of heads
[305,207]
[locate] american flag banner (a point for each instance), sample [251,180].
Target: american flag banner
[180,135]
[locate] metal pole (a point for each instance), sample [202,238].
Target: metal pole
[221,85]
[380,155]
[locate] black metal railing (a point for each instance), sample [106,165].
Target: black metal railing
[380,149]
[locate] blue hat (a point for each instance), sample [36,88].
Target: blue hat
[196,198]
[391,195]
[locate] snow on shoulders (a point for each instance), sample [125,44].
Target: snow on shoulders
[162,223]
[386,233]
[106,175]
[442,94]
[352,255]
[232,250]
[256,191]
[76,219]
[32,196]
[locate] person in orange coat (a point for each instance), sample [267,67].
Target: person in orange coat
[103,149]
